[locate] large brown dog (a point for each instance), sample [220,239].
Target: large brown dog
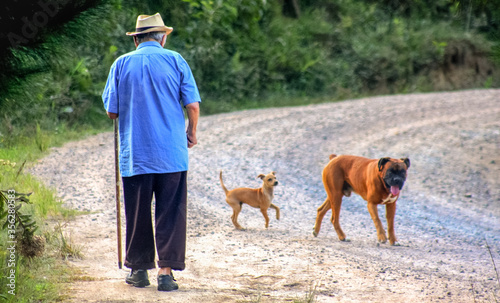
[378,181]
[256,197]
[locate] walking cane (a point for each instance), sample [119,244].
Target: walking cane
[117,195]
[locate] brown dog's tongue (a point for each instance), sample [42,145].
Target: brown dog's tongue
[394,190]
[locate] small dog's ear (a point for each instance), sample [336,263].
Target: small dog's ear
[273,172]
[261,176]
[406,161]
[382,162]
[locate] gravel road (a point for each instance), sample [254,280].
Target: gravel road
[448,211]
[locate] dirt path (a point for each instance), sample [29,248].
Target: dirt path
[449,207]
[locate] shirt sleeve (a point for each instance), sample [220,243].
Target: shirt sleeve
[109,95]
[189,90]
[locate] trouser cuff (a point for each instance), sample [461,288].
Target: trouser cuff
[145,266]
[175,265]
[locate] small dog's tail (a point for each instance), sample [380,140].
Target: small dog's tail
[332,156]
[222,183]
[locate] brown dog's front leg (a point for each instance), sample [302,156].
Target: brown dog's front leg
[390,212]
[372,208]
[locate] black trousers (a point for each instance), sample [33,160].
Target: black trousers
[170,192]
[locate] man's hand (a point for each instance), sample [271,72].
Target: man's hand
[191,140]
[193,112]
[112,115]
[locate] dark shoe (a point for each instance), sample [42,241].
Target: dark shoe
[138,278]
[167,283]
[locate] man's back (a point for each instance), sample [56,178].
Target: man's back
[148,90]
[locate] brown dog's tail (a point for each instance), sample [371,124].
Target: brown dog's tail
[222,183]
[332,156]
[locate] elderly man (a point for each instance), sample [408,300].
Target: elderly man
[146,91]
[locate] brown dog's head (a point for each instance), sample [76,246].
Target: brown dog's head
[269,179]
[393,172]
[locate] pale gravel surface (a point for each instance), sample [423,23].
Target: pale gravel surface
[449,207]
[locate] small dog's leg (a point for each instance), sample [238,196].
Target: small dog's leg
[372,208]
[234,217]
[266,217]
[277,211]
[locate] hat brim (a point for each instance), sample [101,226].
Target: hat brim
[166,29]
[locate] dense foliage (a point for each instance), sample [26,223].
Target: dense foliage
[57,53]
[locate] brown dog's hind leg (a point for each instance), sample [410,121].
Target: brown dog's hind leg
[322,210]
[333,182]
[372,208]
[336,203]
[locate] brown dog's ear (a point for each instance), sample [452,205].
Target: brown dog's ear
[406,161]
[273,172]
[261,176]
[382,162]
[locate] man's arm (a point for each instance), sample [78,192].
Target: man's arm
[109,95]
[193,113]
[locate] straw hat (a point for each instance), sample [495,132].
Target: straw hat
[146,24]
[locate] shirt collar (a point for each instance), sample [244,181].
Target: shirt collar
[149,43]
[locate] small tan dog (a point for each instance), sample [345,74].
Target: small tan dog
[256,197]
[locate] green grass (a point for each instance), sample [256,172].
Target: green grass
[46,278]
[39,280]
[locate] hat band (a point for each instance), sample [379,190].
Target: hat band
[141,29]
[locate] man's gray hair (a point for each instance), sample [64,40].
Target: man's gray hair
[157,36]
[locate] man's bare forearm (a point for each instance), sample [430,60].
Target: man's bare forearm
[193,113]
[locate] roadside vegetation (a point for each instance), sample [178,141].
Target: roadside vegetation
[39,245]
[244,54]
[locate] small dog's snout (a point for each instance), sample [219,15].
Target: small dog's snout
[275,183]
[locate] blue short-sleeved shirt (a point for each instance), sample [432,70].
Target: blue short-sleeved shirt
[148,88]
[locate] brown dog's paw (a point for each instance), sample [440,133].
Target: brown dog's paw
[346,240]
[395,244]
